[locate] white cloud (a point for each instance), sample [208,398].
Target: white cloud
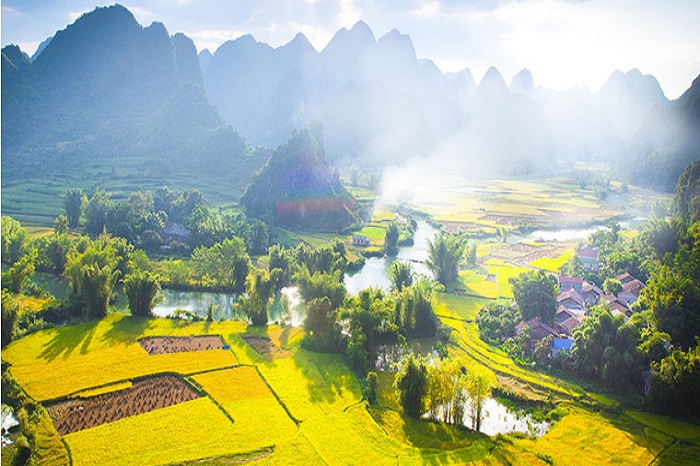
[12,12]
[212,38]
[73,15]
[143,16]
[29,47]
[348,14]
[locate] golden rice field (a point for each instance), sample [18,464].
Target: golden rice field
[302,407]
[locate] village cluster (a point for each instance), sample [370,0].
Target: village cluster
[576,296]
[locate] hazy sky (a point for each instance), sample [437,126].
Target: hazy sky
[564,43]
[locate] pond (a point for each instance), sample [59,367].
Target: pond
[198,302]
[8,422]
[375,272]
[497,418]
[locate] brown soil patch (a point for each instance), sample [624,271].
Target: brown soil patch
[498,219]
[144,396]
[162,345]
[461,227]
[264,346]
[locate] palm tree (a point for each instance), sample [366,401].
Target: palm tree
[401,275]
[142,291]
[444,254]
[97,285]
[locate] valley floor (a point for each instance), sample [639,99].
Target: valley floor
[293,406]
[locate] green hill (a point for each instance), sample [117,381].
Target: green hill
[297,189]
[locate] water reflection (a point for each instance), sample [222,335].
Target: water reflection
[287,308]
[8,422]
[497,418]
[196,302]
[375,272]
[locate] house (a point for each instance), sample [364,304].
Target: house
[566,283]
[561,344]
[630,292]
[592,294]
[174,231]
[360,240]
[564,314]
[618,307]
[625,278]
[567,327]
[571,299]
[589,258]
[538,329]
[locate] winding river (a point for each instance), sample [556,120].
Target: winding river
[375,272]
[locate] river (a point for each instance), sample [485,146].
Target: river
[375,272]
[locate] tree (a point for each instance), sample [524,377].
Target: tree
[502,233]
[411,382]
[401,275]
[10,309]
[92,275]
[536,295]
[13,239]
[676,382]
[686,202]
[321,285]
[444,254]
[74,202]
[356,352]
[327,259]
[674,300]
[96,212]
[470,255]
[605,350]
[478,389]
[612,286]
[446,391]
[414,308]
[280,258]
[60,225]
[235,263]
[260,290]
[542,352]
[319,333]
[369,315]
[662,236]
[17,275]
[142,291]
[226,264]
[97,285]
[370,387]
[52,252]
[496,322]
[573,267]
[391,239]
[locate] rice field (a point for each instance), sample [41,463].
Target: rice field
[488,204]
[302,407]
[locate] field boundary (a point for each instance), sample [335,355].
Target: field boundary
[279,400]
